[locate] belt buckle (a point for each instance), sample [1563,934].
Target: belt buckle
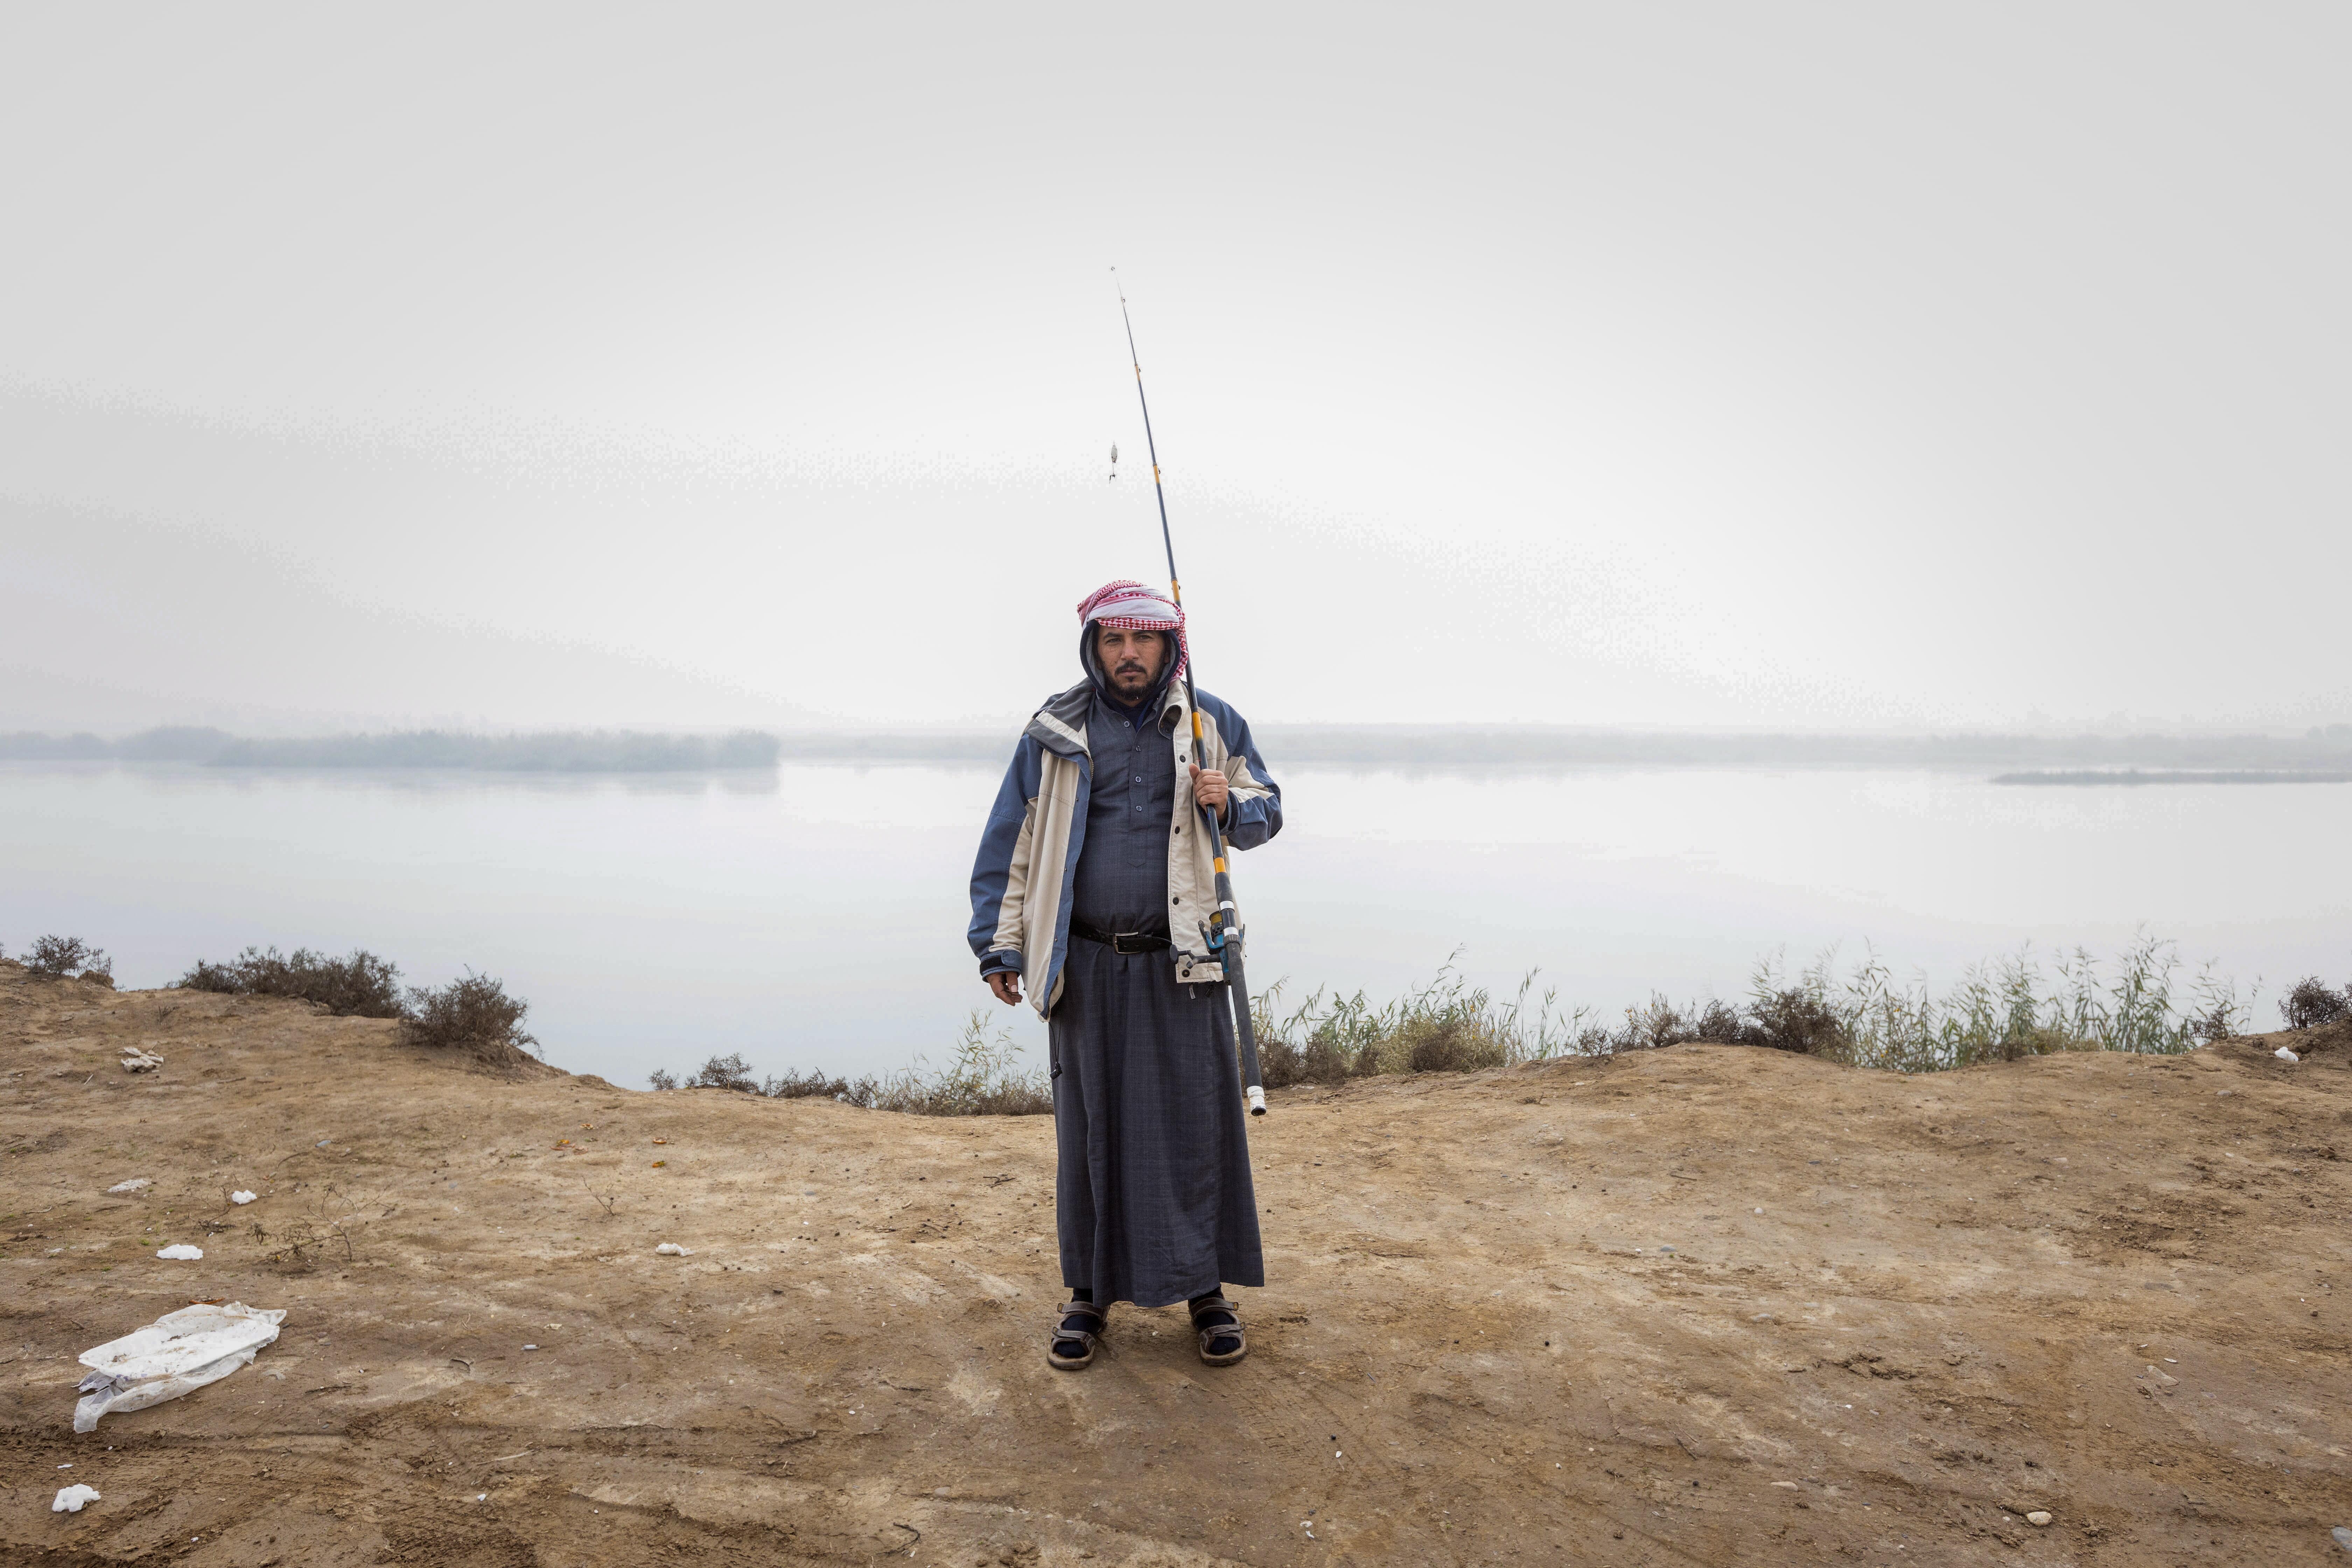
[1120,938]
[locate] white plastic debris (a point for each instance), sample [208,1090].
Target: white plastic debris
[672,1249]
[137,1060]
[2285,1055]
[2342,1537]
[135,1185]
[178,1352]
[2037,1518]
[180,1252]
[70,1499]
[242,1196]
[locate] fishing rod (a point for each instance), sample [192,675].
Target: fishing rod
[1223,930]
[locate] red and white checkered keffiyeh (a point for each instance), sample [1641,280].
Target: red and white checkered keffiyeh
[1132,607]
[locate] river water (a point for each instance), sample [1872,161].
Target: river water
[815,916]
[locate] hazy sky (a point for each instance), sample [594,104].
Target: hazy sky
[1821,365]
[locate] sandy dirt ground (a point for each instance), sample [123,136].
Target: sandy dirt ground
[1695,1306]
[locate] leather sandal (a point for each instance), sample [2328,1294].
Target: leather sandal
[1085,1338]
[1212,1332]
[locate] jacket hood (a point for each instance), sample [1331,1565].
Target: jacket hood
[1099,679]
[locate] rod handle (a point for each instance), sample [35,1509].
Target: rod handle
[1257,1098]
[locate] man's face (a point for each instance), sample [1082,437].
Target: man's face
[1131,659]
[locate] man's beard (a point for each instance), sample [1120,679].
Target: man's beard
[1131,682]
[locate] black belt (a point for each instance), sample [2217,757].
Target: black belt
[1120,941]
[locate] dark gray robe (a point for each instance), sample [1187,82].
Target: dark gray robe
[1153,1194]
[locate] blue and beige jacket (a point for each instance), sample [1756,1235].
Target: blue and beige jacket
[1029,852]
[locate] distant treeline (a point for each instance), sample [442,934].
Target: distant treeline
[2065,759]
[2105,776]
[553,752]
[1436,746]
[1529,745]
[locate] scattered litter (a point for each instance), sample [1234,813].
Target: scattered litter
[1665,1249]
[2285,1055]
[672,1249]
[242,1196]
[178,1352]
[1759,1211]
[481,1497]
[180,1252]
[2037,1518]
[531,1347]
[2343,1538]
[70,1499]
[137,1060]
[135,1185]
[322,1143]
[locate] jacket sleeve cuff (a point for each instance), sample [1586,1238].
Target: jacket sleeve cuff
[1000,962]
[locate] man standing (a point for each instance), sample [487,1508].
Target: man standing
[1093,887]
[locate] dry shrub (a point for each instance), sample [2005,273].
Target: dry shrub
[2313,1005]
[1447,1025]
[1794,1019]
[55,957]
[1452,1041]
[726,1072]
[809,1085]
[473,1015]
[360,986]
[1999,1011]
[984,1079]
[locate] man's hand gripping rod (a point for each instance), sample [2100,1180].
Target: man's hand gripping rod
[1223,929]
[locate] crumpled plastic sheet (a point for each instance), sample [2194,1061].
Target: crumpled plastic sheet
[70,1499]
[175,1354]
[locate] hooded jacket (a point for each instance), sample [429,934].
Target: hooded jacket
[1028,861]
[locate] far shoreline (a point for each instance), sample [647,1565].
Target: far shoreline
[2317,756]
